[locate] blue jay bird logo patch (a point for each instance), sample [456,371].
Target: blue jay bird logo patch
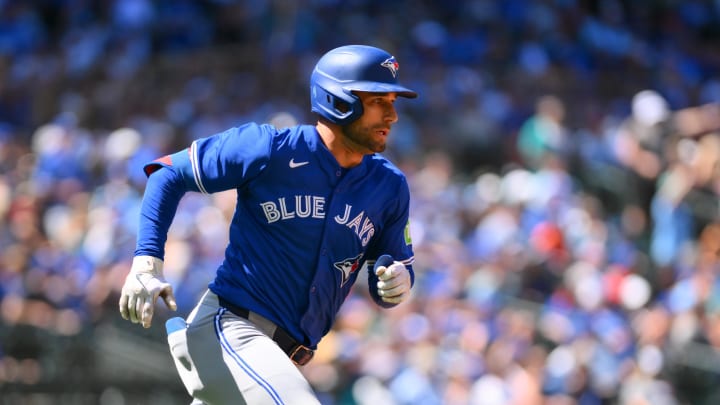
[392,65]
[348,267]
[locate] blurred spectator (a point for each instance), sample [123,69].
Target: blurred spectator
[544,135]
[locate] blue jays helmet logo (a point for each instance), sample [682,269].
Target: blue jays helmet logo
[347,267]
[392,65]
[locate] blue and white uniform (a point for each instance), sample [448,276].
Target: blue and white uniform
[289,187]
[302,230]
[304,227]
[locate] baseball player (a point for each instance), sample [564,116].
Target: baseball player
[315,205]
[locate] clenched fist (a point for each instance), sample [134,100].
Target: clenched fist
[394,282]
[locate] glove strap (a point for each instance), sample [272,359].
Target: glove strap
[148,265]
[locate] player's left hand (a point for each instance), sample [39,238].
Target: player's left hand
[394,282]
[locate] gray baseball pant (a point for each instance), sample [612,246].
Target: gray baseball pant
[226,359]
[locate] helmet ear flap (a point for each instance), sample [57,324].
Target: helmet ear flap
[338,107]
[341,106]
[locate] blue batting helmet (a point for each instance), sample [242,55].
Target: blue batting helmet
[352,68]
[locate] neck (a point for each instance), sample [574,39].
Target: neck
[334,140]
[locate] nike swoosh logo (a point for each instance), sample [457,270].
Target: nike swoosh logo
[294,164]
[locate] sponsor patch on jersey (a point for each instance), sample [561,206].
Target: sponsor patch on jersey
[406,233]
[347,267]
[392,65]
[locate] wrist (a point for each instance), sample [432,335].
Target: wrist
[148,265]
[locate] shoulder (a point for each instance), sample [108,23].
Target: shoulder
[298,135]
[253,129]
[255,135]
[379,163]
[385,172]
[291,136]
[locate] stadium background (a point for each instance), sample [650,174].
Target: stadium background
[565,219]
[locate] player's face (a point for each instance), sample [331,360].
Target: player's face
[368,134]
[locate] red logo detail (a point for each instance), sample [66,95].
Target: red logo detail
[392,65]
[348,267]
[156,164]
[165,160]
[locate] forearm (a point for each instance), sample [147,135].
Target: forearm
[162,196]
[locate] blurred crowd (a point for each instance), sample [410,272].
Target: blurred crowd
[564,163]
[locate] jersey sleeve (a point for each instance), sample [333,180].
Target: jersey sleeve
[223,161]
[394,240]
[220,162]
[162,195]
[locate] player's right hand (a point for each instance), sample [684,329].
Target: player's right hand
[394,282]
[143,285]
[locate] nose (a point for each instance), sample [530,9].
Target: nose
[391,115]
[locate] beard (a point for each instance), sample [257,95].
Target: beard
[362,138]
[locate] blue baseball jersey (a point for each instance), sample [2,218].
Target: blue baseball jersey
[303,226]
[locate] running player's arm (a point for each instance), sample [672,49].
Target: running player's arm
[395,241]
[145,281]
[218,163]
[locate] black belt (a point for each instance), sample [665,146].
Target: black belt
[299,354]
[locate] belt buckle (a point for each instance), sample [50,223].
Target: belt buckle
[301,355]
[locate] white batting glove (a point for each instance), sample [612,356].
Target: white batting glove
[394,284]
[143,285]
